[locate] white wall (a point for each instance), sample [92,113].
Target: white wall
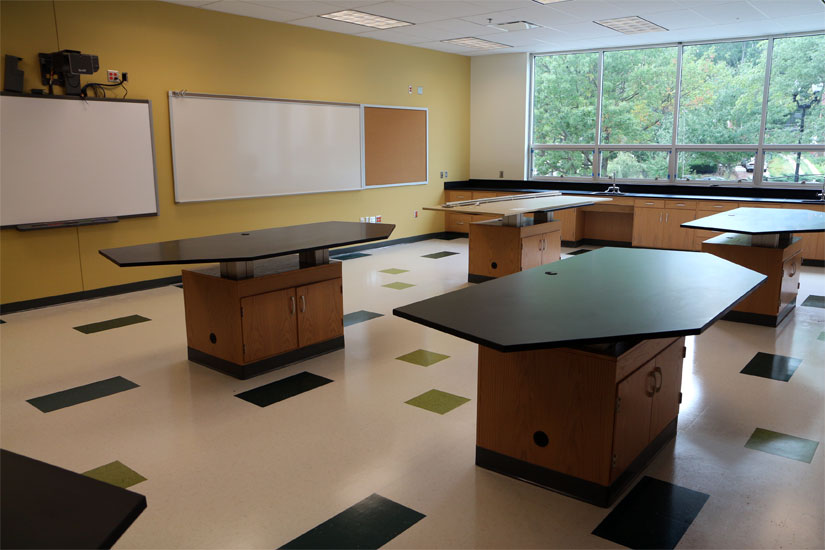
[499,87]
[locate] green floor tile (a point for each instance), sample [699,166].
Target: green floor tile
[781,444]
[394,271]
[111,323]
[423,357]
[821,336]
[398,286]
[437,401]
[116,473]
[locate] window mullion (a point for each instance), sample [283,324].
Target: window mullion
[759,160]
[597,161]
[672,162]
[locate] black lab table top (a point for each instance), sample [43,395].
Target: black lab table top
[250,245]
[44,506]
[761,221]
[608,295]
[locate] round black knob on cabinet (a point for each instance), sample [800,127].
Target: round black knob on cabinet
[540,438]
[494,265]
[212,337]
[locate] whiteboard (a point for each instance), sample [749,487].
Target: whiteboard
[227,147]
[68,159]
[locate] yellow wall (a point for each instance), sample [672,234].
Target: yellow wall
[171,47]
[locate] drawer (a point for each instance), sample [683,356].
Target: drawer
[683,205]
[649,203]
[760,205]
[802,206]
[618,201]
[484,194]
[459,223]
[716,206]
[452,196]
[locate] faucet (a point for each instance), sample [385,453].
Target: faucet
[821,194]
[613,187]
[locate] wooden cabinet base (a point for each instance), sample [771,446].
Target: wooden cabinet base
[264,365]
[497,250]
[589,492]
[249,326]
[774,300]
[582,421]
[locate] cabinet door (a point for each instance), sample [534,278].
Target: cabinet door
[790,279]
[320,312]
[569,223]
[667,376]
[675,237]
[551,249]
[647,227]
[531,248]
[460,223]
[813,244]
[631,431]
[269,324]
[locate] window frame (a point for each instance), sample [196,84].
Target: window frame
[674,147]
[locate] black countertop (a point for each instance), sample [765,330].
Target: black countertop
[250,245]
[660,191]
[44,506]
[607,295]
[762,221]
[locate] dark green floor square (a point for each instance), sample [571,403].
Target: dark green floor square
[437,255]
[266,395]
[814,301]
[398,285]
[116,473]
[423,357]
[350,256]
[394,271]
[775,367]
[359,317]
[111,323]
[82,394]
[437,401]
[781,444]
[821,336]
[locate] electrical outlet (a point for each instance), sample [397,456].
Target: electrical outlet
[421,90]
[441,174]
[377,219]
[112,76]
[501,173]
[363,219]
[415,213]
[372,219]
[446,174]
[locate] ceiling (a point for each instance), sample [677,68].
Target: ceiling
[564,25]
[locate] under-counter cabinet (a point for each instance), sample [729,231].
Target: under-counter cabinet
[249,326]
[656,223]
[497,250]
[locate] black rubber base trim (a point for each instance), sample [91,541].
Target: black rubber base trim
[393,242]
[565,484]
[14,307]
[759,318]
[472,278]
[814,263]
[264,365]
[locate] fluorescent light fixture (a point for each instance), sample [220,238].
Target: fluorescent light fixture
[365,19]
[553,1]
[514,26]
[630,25]
[476,43]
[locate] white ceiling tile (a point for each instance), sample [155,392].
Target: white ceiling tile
[502,5]
[641,7]
[545,16]
[445,8]
[458,27]
[402,12]
[447,47]
[730,12]
[590,30]
[305,7]
[192,3]
[254,10]
[392,35]
[679,19]
[518,38]
[784,8]
[593,9]
[799,23]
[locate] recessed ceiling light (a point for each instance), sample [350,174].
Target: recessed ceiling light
[477,43]
[365,19]
[630,25]
[548,1]
[514,26]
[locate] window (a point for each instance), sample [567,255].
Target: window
[609,114]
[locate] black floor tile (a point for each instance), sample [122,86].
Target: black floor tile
[359,317]
[279,390]
[371,523]
[655,514]
[82,394]
[579,251]
[2,322]
[437,255]
[179,285]
[350,256]
[452,237]
[111,323]
[814,301]
[775,367]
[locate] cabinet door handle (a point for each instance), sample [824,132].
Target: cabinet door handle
[660,217]
[650,390]
[667,216]
[658,386]
[718,206]
[303,303]
[793,269]
[649,203]
[292,305]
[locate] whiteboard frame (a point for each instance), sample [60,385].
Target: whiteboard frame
[74,222]
[184,93]
[426,137]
